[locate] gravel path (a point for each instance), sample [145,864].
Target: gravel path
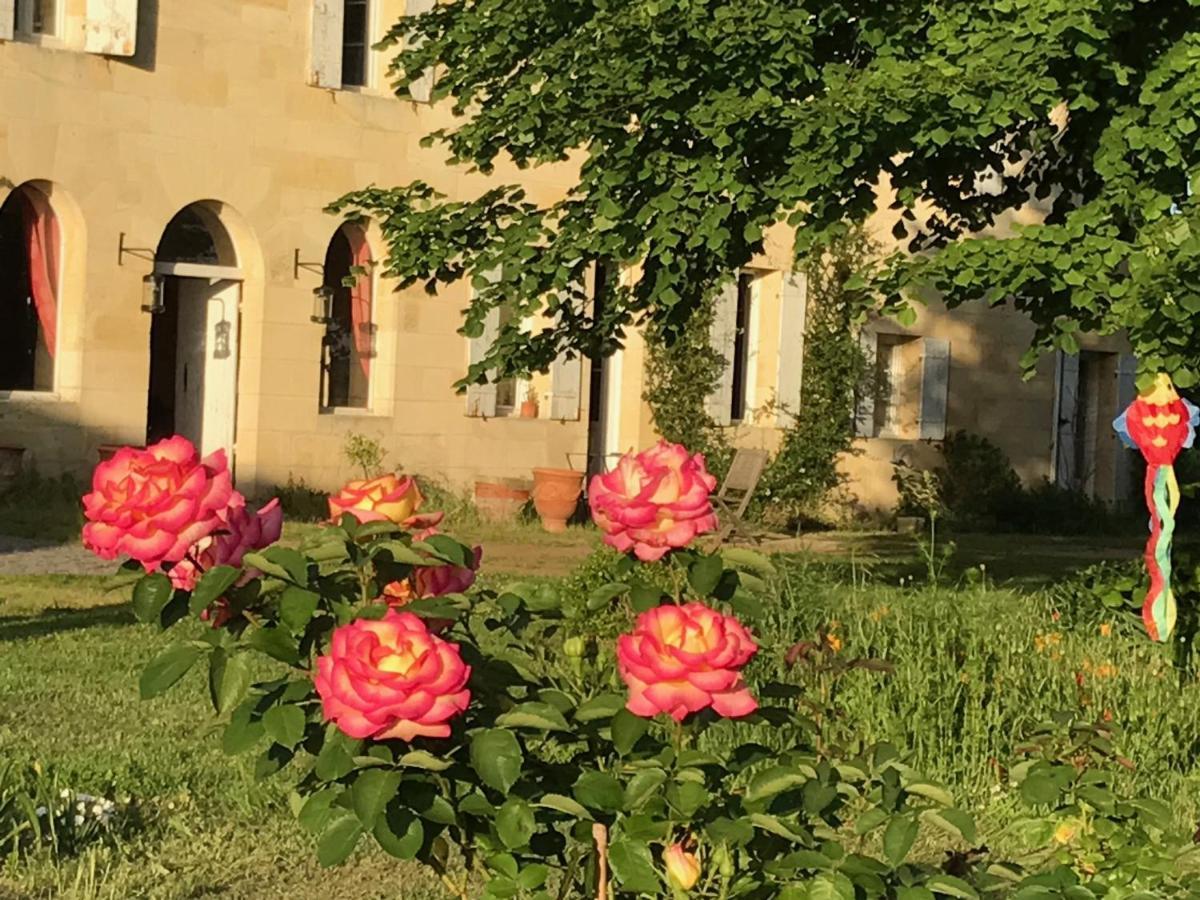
[22,556]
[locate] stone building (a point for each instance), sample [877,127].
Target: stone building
[166,264]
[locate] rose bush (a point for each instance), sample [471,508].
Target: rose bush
[383,499]
[390,678]
[654,501]
[154,505]
[538,743]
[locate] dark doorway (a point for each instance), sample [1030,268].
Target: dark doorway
[164,332]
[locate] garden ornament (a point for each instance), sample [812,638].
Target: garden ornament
[1160,424]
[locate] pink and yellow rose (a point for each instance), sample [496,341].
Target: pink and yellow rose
[392,679]
[683,868]
[434,581]
[654,501]
[243,532]
[153,505]
[679,660]
[383,499]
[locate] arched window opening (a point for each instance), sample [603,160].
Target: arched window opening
[30,270]
[348,345]
[191,238]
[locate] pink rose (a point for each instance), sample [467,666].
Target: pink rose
[391,678]
[243,532]
[155,504]
[653,501]
[383,499]
[682,659]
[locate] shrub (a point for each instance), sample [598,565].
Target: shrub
[301,502]
[805,469]
[978,485]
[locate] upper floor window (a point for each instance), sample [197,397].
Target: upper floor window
[30,267]
[343,36]
[356,42]
[36,16]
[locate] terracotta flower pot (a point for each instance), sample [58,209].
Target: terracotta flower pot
[555,495]
[501,500]
[529,409]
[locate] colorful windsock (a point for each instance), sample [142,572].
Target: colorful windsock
[1160,424]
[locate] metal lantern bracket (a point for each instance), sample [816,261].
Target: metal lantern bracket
[145,253]
[298,264]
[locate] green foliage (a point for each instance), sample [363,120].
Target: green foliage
[364,453]
[975,488]
[696,126]
[805,469]
[682,370]
[40,507]
[978,485]
[301,502]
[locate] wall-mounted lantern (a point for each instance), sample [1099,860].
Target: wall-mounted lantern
[153,294]
[323,305]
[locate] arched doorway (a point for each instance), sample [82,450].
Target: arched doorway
[30,275]
[194,333]
[349,342]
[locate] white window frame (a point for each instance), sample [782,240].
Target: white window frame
[370,66]
[23,24]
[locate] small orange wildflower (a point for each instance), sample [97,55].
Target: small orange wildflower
[1105,629]
[834,642]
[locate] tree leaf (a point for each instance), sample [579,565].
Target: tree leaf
[284,724]
[275,643]
[399,832]
[296,607]
[565,805]
[212,587]
[515,823]
[534,714]
[228,679]
[338,841]
[705,574]
[627,730]
[599,791]
[150,595]
[497,758]
[633,867]
[373,790]
[167,668]
[898,838]
[604,706]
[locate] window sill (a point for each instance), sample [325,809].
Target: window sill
[30,396]
[47,41]
[361,412]
[500,417]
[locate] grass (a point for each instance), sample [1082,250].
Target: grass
[72,655]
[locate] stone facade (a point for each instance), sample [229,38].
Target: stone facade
[216,109]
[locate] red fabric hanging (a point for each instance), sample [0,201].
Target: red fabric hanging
[42,242]
[360,305]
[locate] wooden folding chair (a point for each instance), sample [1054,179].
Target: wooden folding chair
[737,491]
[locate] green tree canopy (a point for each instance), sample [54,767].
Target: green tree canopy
[694,125]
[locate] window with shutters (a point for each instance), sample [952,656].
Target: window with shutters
[910,387]
[348,346]
[742,371]
[36,17]
[356,43]
[734,335]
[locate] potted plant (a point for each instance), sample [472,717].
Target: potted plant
[556,493]
[529,406]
